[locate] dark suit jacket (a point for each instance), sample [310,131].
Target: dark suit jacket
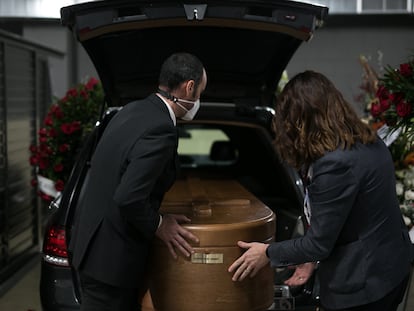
[133,166]
[356,228]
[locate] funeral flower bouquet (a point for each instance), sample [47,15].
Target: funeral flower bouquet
[68,121]
[395,99]
[405,192]
[394,107]
[390,103]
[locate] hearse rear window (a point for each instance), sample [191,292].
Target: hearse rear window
[199,147]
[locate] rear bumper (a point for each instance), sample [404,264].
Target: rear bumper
[57,292]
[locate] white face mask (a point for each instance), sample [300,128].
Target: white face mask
[190,113]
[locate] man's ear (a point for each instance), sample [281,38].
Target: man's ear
[189,87]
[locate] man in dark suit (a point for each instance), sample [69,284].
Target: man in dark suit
[356,227]
[133,166]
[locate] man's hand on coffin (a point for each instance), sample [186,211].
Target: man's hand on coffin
[175,236]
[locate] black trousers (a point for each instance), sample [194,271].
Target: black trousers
[388,303]
[98,296]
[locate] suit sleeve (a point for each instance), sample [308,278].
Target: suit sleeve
[332,194]
[146,161]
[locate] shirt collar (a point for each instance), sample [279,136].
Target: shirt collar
[170,110]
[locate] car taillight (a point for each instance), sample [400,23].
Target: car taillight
[54,247]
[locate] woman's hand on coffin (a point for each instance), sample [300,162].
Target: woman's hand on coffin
[252,260]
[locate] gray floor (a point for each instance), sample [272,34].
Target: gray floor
[24,294]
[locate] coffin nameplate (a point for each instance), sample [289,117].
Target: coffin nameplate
[207,258]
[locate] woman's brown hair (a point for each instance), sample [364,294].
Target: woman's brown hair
[313,118]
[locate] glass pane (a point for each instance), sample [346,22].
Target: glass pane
[204,147]
[397,5]
[342,6]
[199,141]
[372,5]
[336,6]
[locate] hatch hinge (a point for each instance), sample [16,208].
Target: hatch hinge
[195,11]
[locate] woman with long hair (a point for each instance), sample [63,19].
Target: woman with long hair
[356,231]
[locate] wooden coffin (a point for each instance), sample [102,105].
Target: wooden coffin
[222,213]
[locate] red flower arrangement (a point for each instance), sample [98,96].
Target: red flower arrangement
[68,121]
[394,104]
[391,112]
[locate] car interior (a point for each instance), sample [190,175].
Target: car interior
[241,152]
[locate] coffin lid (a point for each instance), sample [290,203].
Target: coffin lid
[222,211]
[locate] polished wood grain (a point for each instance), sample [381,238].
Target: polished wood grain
[222,213]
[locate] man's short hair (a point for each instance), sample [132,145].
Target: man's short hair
[178,68]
